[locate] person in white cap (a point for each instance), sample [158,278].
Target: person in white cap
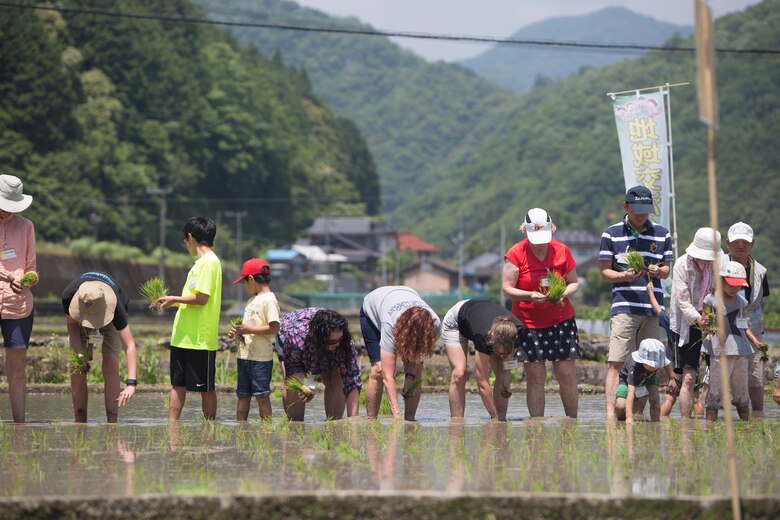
[639,381]
[738,344]
[17,257]
[693,282]
[740,245]
[631,317]
[97,318]
[550,332]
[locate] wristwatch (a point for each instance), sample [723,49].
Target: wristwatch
[131,382]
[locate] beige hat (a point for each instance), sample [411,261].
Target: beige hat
[93,305]
[11,198]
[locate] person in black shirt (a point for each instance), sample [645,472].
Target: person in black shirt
[493,330]
[96,308]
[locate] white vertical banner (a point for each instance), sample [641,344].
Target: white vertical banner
[641,128]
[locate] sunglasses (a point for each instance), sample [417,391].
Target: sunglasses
[335,341]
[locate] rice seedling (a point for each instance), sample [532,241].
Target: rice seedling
[711,328]
[235,322]
[636,261]
[152,290]
[79,364]
[296,385]
[29,279]
[555,288]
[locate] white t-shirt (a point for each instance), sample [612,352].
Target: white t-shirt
[383,307]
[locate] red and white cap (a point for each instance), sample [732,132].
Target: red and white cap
[734,274]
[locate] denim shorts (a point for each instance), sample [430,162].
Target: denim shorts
[254,378]
[16,333]
[371,337]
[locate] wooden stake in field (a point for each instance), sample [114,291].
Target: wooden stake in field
[708,114]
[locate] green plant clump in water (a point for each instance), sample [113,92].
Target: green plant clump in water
[636,261]
[152,290]
[235,322]
[556,287]
[79,364]
[29,279]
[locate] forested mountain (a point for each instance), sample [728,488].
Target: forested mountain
[412,113]
[518,68]
[94,110]
[556,147]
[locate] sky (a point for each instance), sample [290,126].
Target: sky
[495,18]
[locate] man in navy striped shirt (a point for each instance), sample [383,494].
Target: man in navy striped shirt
[631,317]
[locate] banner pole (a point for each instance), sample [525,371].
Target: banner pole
[670,152]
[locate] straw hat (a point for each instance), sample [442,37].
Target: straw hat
[11,198]
[93,305]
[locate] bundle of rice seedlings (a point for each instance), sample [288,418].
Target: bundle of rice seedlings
[79,365]
[711,328]
[29,279]
[556,287]
[235,322]
[298,386]
[636,261]
[152,290]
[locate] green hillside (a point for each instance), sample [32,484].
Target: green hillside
[94,110]
[518,68]
[556,147]
[412,113]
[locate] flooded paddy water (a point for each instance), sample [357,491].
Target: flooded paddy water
[144,455]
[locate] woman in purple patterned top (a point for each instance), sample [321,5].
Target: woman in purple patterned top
[317,341]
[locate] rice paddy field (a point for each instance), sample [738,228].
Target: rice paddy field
[433,468]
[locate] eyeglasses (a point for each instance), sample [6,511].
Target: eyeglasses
[335,341]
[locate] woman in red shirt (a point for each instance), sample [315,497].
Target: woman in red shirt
[551,333]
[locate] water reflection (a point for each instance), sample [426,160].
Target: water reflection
[192,456]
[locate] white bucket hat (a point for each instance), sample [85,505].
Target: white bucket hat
[11,198]
[93,305]
[701,247]
[538,226]
[651,352]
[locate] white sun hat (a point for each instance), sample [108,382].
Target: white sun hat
[12,199]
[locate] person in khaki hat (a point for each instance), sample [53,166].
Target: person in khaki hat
[740,245]
[97,318]
[17,257]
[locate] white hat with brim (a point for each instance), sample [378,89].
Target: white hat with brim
[12,199]
[538,226]
[651,352]
[93,305]
[701,247]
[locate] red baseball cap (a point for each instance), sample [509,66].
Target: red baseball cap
[253,266]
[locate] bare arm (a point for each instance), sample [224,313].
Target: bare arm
[244,328]
[388,360]
[74,335]
[509,277]
[608,274]
[128,344]
[630,404]
[572,284]
[198,298]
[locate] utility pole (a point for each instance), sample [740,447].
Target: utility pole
[163,193]
[460,256]
[238,215]
[501,247]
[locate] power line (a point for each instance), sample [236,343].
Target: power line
[378,32]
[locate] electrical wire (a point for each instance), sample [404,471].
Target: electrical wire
[378,32]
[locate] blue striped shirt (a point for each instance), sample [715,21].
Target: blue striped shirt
[655,244]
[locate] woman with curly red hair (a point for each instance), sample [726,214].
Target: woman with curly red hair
[396,322]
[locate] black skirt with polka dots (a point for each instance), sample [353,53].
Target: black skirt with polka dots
[556,343]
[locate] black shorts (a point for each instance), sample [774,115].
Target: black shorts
[193,369]
[687,356]
[16,332]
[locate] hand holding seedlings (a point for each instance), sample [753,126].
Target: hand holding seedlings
[236,332]
[79,365]
[304,391]
[29,279]
[153,290]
